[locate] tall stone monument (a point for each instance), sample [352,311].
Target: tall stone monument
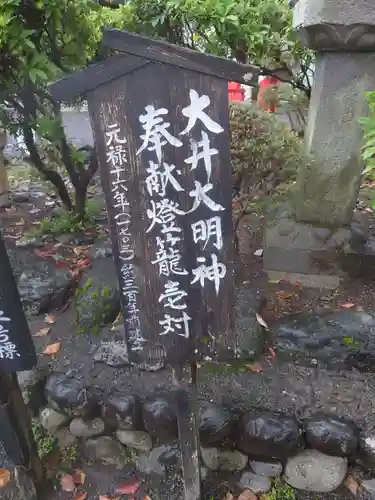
[304,241]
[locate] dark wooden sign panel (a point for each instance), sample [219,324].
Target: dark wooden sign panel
[17,350]
[161,133]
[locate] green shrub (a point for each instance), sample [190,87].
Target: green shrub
[265,153]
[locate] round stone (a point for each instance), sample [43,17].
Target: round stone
[332,435]
[267,469]
[232,460]
[211,458]
[51,420]
[311,470]
[138,440]
[86,428]
[257,484]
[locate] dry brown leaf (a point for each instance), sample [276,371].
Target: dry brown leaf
[128,487]
[50,319]
[52,349]
[42,332]
[105,497]
[351,484]
[255,367]
[247,495]
[79,476]
[261,321]
[229,496]
[80,496]
[283,294]
[67,483]
[4,477]
[348,305]
[147,498]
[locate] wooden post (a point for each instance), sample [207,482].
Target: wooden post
[161,128]
[17,353]
[4,185]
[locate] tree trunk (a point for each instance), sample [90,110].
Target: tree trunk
[80,201]
[4,185]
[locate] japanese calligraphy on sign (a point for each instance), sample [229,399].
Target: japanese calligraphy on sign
[167,180]
[16,345]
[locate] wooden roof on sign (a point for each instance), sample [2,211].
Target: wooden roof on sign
[138,51]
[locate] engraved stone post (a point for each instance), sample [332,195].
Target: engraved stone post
[300,244]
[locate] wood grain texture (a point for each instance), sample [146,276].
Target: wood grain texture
[123,101]
[182,57]
[91,77]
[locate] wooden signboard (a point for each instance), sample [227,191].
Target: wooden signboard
[161,134]
[159,115]
[17,350]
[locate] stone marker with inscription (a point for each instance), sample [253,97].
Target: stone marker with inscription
[303,244]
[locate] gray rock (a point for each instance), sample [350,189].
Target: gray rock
[332,435]
[122,412]
[44,287]
[369,486]
[21,196]
[106,450]
[32,384]
[86,428]
[101,252]
[366,455]
[160,418]
[232,460]
[51,420]
[169,455]
[211,458]
[341,339]
[310,470]
[257,484]
[149,464]
[20,487]
[69,395]
[138,440]
[64,438]
[267,469]
[112,353]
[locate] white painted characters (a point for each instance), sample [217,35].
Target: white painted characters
[161,181]
[156,131]
[8,350]
[195,111]
[204,230]
[117,161]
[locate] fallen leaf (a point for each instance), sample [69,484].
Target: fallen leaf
[247,495]
[50,319]
[79,476]
[351,484]
[283,294]
[128,488]
[42,332]
[229,496]
[4,477]
[44,254]
[348,305]
[272,353]
[261,321]
[67,483]
[147,498]
[255,367]
[80,496]
[52,348]
[274,282]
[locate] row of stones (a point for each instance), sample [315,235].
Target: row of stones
[259,442]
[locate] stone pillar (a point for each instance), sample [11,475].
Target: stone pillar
[304,242]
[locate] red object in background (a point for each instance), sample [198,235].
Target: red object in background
[235,92]
[266,82]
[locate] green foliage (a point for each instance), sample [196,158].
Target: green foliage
[97,301]
[368,149]
[265,153]
[280,491]
[45,443]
